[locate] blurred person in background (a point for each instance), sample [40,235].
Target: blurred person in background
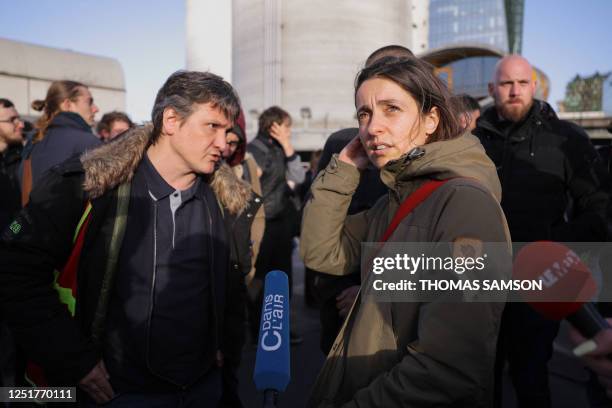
[251,224]
[280,165]
[310,175]
[552,191]
[302,190]
[11,145]
[469,110]
[63,130]
[113,124]
[406,354]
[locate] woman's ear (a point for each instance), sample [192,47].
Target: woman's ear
[432,119]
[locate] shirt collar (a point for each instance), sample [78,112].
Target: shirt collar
[195,191]
[155,183]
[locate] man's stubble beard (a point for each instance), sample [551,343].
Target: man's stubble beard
[11,139]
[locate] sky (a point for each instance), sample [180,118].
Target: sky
[568,37]
[561,37]
[146,37]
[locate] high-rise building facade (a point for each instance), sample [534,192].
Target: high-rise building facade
[478,33]
[495,23]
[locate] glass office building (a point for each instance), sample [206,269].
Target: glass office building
[495,23]
[468,75]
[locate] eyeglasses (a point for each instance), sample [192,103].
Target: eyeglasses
[15,120]
[233,143]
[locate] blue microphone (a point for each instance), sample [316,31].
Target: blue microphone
[272,364]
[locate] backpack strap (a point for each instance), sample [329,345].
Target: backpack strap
[26,169]
[251,166]
[26,181]
[332,374]
[410,203]
[116,241]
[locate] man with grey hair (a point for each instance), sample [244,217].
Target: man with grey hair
[550,191]
[136,233]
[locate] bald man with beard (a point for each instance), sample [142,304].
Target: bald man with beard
[550,191]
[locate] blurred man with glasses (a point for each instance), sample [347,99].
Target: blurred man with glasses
[11,143]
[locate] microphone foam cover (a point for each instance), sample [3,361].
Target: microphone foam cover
[272,363]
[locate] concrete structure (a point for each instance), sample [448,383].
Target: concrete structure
[597,124]
[304,55]
[298,54]
[209,36]
[27,70]
[419,30]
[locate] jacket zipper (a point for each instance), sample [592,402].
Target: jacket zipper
[212,278]
[152,294]
[531,152]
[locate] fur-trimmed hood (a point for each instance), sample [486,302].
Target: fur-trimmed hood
[115,163]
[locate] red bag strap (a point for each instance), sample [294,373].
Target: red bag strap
[410,203]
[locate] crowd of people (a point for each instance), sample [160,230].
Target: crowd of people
[133,258]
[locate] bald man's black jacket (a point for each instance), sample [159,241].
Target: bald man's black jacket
[550,174]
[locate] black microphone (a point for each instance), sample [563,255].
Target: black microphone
[588,321]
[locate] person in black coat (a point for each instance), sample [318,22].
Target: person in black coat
[11,139]
[63,130]
[282,170]
[550,191]
[11,144]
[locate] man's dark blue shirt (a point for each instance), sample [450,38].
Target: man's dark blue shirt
[160,322]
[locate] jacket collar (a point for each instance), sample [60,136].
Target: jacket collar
[462,157]
[541,113]
[267,139]
[11,155]
[70,119]
[114,163]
